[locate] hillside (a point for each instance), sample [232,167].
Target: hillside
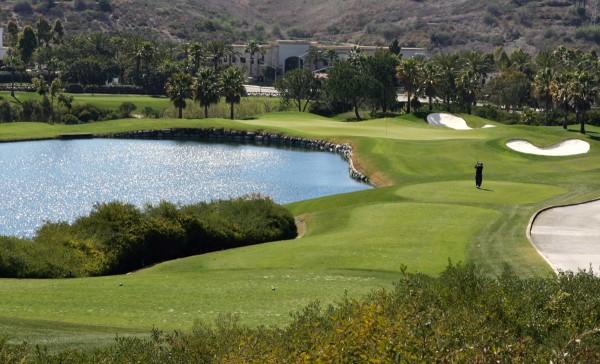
[530,24]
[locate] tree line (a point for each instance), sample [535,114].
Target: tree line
[560,84]
[552,84]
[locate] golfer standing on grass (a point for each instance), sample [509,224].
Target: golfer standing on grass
[478,174]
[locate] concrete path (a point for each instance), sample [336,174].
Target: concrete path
[569,237]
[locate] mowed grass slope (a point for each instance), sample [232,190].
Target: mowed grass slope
[425,213]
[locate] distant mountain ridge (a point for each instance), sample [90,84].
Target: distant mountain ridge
[443,24]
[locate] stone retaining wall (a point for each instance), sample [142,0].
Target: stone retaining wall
[344,150]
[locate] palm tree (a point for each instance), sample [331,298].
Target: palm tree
[430,79]
[331,56]
[467,86]
[478,65]
[232,87]
[195,53]
[252,49]
[559,89]
[179,89]
[313,56]
[207,89]
[217,50]
[583,90]
[448,66]
[542,86]
[409,74]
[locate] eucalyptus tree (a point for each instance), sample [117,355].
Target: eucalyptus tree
[44,32]
[58,32]
[299,85]
[409,73]
[27,44]
[232,88]
[207,89]
[179,90]
[381,69]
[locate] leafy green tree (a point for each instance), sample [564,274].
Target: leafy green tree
[510,89]
[179,90]
[348,84]
[207,88]
[409,74]
[27,44]
[232,89]
[381,69]
[300,86]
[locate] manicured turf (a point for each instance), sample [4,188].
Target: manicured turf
[425,213]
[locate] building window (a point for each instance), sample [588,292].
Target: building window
[242,60]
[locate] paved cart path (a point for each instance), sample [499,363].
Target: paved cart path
[569,237]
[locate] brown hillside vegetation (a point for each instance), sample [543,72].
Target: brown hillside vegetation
[486,24]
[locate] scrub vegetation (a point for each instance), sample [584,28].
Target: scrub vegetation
[119,238]
[460,316]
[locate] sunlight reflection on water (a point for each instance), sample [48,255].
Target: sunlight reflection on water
[60,180]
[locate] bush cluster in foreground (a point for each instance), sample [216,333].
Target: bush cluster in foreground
[462,316]
[117,237]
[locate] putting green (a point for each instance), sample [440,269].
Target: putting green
[428,213]
[492,192]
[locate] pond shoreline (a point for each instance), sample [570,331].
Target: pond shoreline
[247,137]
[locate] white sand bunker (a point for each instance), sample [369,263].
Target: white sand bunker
[566,148]
[451,121]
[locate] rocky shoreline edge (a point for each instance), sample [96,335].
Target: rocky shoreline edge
[254,137]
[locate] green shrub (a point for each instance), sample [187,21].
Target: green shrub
[118,237]
[462,316]
[126,108]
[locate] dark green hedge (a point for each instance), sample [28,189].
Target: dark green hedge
[118,238]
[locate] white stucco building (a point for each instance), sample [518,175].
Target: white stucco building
[2,49]
[286,55]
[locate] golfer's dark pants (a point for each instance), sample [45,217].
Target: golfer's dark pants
[478,179]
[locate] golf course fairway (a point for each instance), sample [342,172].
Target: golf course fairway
[424,213]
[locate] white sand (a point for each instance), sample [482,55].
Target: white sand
[451,121]
[566,148]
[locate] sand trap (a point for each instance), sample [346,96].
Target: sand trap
[566,148]
[451,121]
